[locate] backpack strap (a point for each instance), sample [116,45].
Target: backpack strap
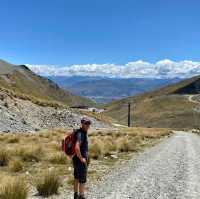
[75,132]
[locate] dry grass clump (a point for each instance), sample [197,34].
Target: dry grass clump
[16,165]
[3,137]
[96,148]
[110,145]
[13,139]
[58,158]
[48,184]
[152,133]
[4,157]
[14,188]
[126,144]
[114,142]
[55,145]
[30,153]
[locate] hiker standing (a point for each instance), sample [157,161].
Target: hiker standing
[80,159]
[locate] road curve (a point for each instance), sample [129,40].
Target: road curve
[191,99]
[170,170]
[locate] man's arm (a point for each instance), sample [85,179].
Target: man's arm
[78,152]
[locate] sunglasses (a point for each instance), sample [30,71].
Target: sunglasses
[87,123]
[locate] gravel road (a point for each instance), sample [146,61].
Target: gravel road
[170,170]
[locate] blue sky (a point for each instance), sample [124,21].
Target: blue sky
[99,31]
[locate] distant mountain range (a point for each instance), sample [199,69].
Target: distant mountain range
[104,90]
[20,79]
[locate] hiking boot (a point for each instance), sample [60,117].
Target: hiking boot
[76,195]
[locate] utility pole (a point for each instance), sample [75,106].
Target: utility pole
[129,114]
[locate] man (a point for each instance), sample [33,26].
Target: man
[80,160]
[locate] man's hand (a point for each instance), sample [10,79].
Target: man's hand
[83,160]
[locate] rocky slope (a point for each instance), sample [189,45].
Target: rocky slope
[18,115]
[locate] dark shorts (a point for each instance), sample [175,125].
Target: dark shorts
[80,170]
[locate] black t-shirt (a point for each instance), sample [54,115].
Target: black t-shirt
[82,138]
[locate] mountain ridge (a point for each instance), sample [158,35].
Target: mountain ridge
[104,90]
[20,79]
[164,107]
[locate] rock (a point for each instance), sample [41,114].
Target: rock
[69,168]
[114,156]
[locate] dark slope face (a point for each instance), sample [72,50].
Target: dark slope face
[192,88]
[22,80]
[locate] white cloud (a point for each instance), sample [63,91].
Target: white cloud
[161,69]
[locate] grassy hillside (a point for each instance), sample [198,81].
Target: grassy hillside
[165,107]
[21,80]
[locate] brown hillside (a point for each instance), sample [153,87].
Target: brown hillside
[22,80]
[165,107]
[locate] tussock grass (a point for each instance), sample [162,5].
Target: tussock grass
[126,145]
[16,165]
[30,153]
[13,139]
[58,158]
[3,137]
[48,184]
[14,188]
[55,145]
[4,157]
[96,149]
[126,140]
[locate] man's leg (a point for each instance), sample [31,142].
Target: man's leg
[82,190]
[82,180]
[76,180]
[76,188]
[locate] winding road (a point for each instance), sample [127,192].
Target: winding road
[169,170]
[190,98]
